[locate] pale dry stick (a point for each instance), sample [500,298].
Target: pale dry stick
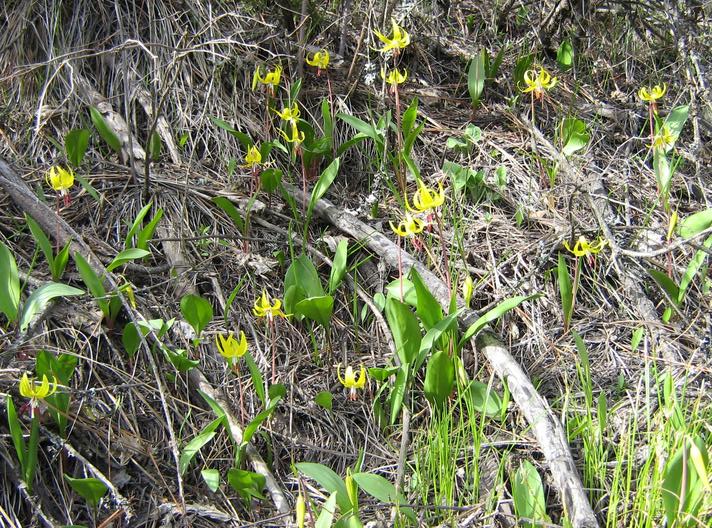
[544,424]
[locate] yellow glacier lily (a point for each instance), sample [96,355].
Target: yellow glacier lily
[297,136]
[538,83]
[394,77]
[271,78]
[410,225]
[60,179]
[263,308]
[399,40]
[351,381]
[653,93]
[290,113]
[320,60]
[426,198]
[583,247]
[253,158]
[36,393]
[230,348]
[664,139]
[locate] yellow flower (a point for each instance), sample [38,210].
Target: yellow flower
[394,77]
[426,198]
[270,79]
[297,136]
[320,59]
[399,41]
[253,158]
[408,226]
[664,139]
[289,113]
[351,381]
[229,348]
[538,83]
[29,389]
[652,94]
[584,248]
[300,511]
[59,179]
[262,307]
[468,288]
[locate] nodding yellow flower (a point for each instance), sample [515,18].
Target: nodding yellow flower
[297,136]
[60,179]
[538,83]
[36,393]
[399,40]
[468,288]
[394,77]
[652,94]
[583,247]
[664,139]
[230,348]
[426,198]
[253,158]
[289,113]
[271,78]
[263,308]
[351,381]
[410,225]
[320,60]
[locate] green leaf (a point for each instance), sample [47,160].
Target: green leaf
[439,378]
[179,360]
[409,117]
[104,130]
[528,495]
[324,399]
[60,262]
[328,480]
[495,313]
[317,309]
[270,179]
[326,517]
[197,311]
[382,490]
[193,447]
[432,337]
[41,238]
[154,146]
[398,392]
[565,55]
[483,398]
[303,274]
[667,284]
[663,173]
[361,126]
[695,223]
[328,121]
[93,283]
[146,234]
[259,419]
[125,256]
[574,136]
[565,290]
[675,121]
[131,339]
[18,441]
[410,297]
[427,307]
[693,267]
[243,138]
[247,484]
[90,489]
[256,375]
[405,329]
[322,185]
[9,284]
[39,298]
[682,487]
[137,223]
[476,75]
[75,145]
[226,205]
[338,267]
[211,477]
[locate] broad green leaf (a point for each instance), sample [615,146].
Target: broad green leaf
[39,298]
[322,185]
[326,517]
[93,283]
[528,495]
[59,264]
[476,75]
[329,480]
[574,136]
[256,375]
[427,307]
[409,117]
[361,126]
[247,484]
[259,419]
[382,490]
[303,274]
[317,309]
[667,284]
[393,289]
[695,223]
[197,311]
[635,338]
[90,489]
[226,205]
[179,359]
[693,267]
[432,337]
[495,313]
[328,121]
[136,226]
[398,391]
[483,398]
[18,440]
[104,130]
[192,449]
[682,489]
[439,378]
[75,145]
[663,173]
[270,179]
[565,290]
[154,146]
[211,477]
[41,238]
[405,329]
[127,255]
[131,339]
[338,266]
[243,138]
[9,284]
[675,121]
[324,399]
[565,55]
[146,234]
